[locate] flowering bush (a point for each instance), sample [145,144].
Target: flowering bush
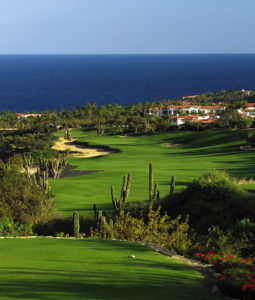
[237,274]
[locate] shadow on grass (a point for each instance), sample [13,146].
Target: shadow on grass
[87,287]
[125,279]
[100,206]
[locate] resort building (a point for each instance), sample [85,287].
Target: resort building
[182,114]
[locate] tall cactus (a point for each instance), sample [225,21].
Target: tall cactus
[150,182]
[172,182]
[76,224]
[155,193]
[27,160]
[68,135]
[54,167]
[119,205]
[41,179]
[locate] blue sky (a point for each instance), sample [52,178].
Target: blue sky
[127,26]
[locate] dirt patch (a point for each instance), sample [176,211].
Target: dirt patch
[171,145]
[70,172]
[77,150]
[32,170]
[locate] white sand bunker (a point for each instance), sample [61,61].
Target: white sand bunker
[63,144]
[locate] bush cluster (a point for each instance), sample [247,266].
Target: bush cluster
[21,199]
[212,199]
[158,230]
[237,274]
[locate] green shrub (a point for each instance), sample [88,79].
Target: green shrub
[228,241]
[21,199]
[158,230]
[9,228]
[212,199]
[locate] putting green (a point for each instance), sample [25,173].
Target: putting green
[184,154]
[92,269]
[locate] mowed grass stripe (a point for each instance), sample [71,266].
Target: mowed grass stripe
[195,154]
[92,269]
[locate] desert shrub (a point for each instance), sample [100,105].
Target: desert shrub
[227,241]
[21,198]
[212,199]
[244,231]
[139,209]
[9,228]
[158,230]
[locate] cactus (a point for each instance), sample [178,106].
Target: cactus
[155,191]
[7,166]
[68,135]
[172,182]
[41,179]
[45,181]
[150,182]
[155,194]
[119,205]
[76,224]
[54,167]
[27,160]
[43,165]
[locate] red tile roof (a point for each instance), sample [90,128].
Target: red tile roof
[205,121]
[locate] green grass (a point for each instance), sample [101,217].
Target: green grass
[92,269]
[196,154]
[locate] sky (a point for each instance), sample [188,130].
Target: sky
[126,26]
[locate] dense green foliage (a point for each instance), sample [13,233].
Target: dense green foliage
[212,199]
[21,198]
[23,141]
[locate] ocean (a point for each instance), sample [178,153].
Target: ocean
[42,82]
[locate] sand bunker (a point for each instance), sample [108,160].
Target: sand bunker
[78,151]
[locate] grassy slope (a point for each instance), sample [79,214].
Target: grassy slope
[92,269]
[197,154]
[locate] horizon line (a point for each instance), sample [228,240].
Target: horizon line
[204,53]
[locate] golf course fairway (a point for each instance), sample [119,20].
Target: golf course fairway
[45,268]
[183,154]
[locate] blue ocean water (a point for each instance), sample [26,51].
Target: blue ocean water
[41,82]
